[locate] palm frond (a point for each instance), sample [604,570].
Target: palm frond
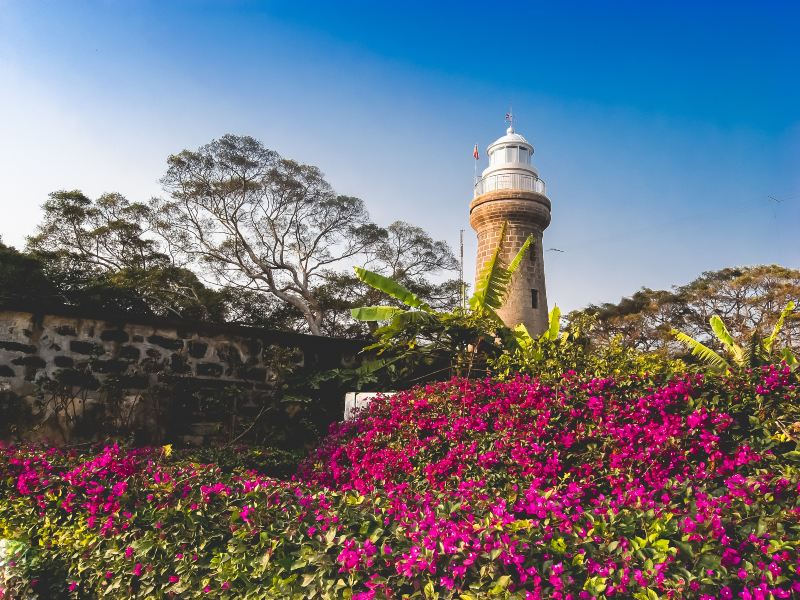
[492,286]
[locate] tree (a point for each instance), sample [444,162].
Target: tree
[748,299]
[108,233]
[257,222]
[755,352]
[22,277]
[244,236]
[406,254]
[101,253]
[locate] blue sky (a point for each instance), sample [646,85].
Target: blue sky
[662,129]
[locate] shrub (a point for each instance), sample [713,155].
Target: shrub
[686,488]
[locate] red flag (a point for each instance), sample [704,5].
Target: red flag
[475,152]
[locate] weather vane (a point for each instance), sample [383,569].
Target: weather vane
[510,117]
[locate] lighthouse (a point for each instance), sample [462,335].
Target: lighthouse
[510,190]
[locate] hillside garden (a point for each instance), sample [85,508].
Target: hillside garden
[577,488]
[545,468]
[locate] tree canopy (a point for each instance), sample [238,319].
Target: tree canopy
[748,299]
[102,253]
[244,235]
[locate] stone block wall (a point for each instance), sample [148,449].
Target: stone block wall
[141,353]
[526,214]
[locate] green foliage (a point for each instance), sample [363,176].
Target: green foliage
[392,288]
[494,280]
[759,351]
[450,491]
[555,352]
[270,233]
[417,345]
[703,352]
[749,298]
[23,277]
[376,313]
[421,343]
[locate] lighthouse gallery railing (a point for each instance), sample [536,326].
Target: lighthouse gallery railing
[509,181]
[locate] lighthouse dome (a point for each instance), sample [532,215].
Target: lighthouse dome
[510,166]
[510,153]
[511,137]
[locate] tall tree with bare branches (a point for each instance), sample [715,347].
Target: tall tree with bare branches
[259,222]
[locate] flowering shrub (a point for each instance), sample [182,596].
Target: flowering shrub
[591,488]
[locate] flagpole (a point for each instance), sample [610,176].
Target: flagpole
[461,274]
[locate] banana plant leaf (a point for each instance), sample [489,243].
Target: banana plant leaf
[770,341]
[375,313]
[723,335]
[702,351]
[392,288]
[403,321]
[522,337]
[554,324]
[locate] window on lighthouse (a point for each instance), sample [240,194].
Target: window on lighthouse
[534,298]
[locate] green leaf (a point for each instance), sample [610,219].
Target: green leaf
[430,591]
[724,336]
[493,282]
[769,341]
[500,586]
[786,354]
[522,337]
[702,351]
[330,535]
[721,331]
[554,324]
[375,313]
[685,548]
[392,288]
[558,545]
[403,321]
[517,260]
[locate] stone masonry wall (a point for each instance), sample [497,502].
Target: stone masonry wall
[527,214]
[141,353]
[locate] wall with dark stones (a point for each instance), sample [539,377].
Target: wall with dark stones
[37,343]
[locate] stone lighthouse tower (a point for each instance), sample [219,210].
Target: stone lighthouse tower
[509,189]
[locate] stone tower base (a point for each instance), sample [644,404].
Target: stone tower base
[527,214]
